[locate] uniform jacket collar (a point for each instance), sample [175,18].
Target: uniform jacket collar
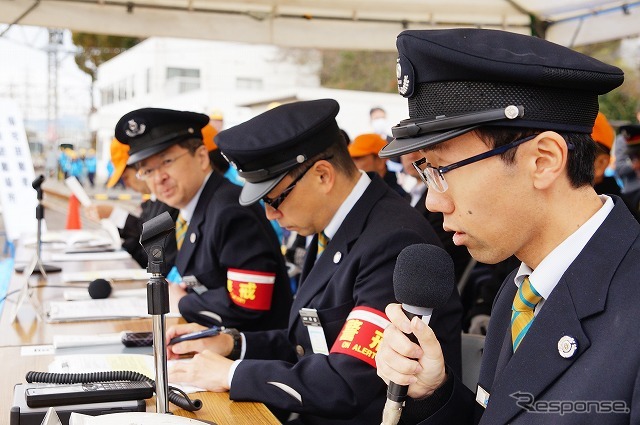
[578,295]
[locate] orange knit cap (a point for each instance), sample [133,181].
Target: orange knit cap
[366,144]
[603,133]
[119,158]
[208,133]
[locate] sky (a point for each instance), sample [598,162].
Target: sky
[24,74]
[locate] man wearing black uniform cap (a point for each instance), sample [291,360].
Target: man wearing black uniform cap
[322,367]
[503,122]
[229,259]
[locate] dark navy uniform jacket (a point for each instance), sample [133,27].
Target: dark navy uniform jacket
[224,235]
[355,270]
[595,303]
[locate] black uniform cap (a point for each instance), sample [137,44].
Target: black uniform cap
[151,130]
[457,80]
[265,148]
[631,135]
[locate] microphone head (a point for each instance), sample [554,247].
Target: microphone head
[37,182]
[99,288]
[423,276]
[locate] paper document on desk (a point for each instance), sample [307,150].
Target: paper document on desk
[134,418]
[74,294]
[74,240]
[87,363]
[68,341]
[91,256]
[104,309]
[114,274]
[108,308]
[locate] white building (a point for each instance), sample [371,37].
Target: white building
[241,80]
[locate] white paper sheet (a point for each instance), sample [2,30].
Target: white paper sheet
[104,309]
[113,274]
[91,256]
[141,363]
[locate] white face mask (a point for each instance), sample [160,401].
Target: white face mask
[381,126]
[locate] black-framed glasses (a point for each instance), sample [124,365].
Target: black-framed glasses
[278,200]
[434,177]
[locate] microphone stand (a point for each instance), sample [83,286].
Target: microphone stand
[35,265]
[154,234]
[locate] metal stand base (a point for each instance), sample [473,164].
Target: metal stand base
[27,292]
[47,268]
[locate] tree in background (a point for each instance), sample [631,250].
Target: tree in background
[618,105]
[95,49]
[359,70]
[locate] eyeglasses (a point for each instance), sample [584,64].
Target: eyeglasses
[434,177]
[147,173]
[278,200]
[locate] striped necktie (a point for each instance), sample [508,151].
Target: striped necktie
[323,240]
[524,303]
[181,230]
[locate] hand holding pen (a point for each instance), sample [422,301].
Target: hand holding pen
[195,338]
[203,333]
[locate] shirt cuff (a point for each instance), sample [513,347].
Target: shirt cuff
[119,217]
[232,370]
[235,364]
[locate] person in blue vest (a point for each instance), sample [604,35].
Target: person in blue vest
[90,163]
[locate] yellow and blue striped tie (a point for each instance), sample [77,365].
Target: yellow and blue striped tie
[323,240]
[524,303]
[181,230]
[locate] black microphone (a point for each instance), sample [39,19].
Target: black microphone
[99,289]
[38,182]
[423,280]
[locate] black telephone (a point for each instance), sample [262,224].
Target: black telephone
[103,386]
[95,392]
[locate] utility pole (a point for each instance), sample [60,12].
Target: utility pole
[55,42]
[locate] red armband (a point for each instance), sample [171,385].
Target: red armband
[361,334]
[250,289]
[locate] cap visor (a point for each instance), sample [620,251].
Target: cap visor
[115,176]
[403,146]
[253,192]
[146,153]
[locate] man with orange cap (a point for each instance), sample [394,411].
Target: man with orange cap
[364,151]
[130,226]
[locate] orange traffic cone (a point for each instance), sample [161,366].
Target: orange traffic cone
[73,215]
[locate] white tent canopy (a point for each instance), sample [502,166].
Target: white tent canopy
[331,24]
